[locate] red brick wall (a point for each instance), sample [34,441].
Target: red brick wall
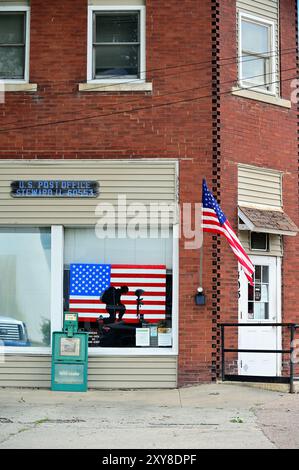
[263,135]
[178,33]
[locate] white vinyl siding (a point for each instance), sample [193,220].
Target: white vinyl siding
[103,372]
[267,10]
[259,187]
[140,181]
[275,245]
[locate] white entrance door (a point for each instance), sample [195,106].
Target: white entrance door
[260,304]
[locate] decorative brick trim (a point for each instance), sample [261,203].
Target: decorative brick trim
[216,152]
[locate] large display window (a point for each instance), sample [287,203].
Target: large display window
[121,288]
[25,284]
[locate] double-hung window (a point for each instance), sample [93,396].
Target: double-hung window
[14,43]
[116,43]
[257,64]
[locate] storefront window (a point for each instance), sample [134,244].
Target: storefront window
[25,267]
[136,276]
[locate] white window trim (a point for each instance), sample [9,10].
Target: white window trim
[171,351]
[57,268]
[273,51]
[27,44]
[91,10]
[259,259]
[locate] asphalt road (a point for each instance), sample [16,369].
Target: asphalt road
[202,417]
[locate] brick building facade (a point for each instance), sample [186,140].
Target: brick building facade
[190,109]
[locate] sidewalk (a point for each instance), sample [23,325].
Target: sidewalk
[205,416]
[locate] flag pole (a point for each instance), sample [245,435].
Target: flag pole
[201,265]
[200,297]
[200,287]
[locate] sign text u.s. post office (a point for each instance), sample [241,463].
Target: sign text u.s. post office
[54,189]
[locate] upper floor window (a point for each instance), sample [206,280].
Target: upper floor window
[116,43]
[257,54]
[14,39]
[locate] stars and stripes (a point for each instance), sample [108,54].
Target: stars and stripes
[215,221]
[89,281]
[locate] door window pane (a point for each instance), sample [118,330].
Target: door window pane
[264,293]
[259,311]
[258,295]
[258,274]
[257,292]
[25,268]
[265,274]
[250,292]
[250,310]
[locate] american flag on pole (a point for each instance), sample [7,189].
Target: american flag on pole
[89,281]
[214,220]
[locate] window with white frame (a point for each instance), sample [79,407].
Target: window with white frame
[14,43]
[257,66]
[116,49]
[91,264]
[25,287]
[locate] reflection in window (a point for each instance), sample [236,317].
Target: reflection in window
[12,45]
[256,53]
[259,241]
[93,264]
[116,44]
[25,267]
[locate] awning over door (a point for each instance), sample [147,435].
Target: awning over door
[266,221]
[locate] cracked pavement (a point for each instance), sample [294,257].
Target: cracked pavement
[201,417]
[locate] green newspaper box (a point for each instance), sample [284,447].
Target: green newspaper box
[69,357]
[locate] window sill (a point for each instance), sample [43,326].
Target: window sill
[263,97]
[95,352]
[15,87]
[115,87]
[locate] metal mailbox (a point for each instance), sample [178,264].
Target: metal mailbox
[69,357]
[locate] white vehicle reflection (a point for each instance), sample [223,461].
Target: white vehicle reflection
[13,332]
